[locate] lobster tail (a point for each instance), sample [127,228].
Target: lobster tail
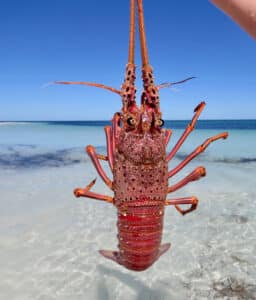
[139,234]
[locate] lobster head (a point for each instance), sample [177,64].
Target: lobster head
[142,120]
[140,137]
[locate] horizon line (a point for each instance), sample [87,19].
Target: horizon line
[93,120]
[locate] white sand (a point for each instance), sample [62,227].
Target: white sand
[49,239]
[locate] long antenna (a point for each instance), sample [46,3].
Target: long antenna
[143,44]
[150,95]
[128,87]
[132,33]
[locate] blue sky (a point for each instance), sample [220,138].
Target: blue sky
[87,40]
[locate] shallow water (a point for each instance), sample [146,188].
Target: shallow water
[49,239]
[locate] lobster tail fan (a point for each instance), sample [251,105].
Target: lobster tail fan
[128,90]
[150,96]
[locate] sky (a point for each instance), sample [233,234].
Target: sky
[44,41]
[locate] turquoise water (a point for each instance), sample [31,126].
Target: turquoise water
[49,239]
[20,139]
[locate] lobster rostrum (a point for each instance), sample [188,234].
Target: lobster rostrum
[136,154]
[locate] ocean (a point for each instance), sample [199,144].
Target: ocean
[49,240]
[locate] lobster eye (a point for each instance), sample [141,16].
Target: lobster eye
[159,122]
[131,121]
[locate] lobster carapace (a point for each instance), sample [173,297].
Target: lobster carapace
[136,154]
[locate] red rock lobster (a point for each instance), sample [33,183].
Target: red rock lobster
[136,153]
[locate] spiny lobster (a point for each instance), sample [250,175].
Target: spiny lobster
[136,153]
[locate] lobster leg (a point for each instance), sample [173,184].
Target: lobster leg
[87,193]
[115,129]
[188,200]
[102,157]
[196,152]
[193,176]
[168,134]
[187,131]
[94,157]
[109,146]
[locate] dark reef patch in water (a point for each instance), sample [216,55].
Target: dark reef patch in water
[17,160]
[31,156]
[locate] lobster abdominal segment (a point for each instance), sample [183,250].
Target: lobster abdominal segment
[139,236]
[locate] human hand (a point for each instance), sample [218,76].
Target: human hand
[241,11]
